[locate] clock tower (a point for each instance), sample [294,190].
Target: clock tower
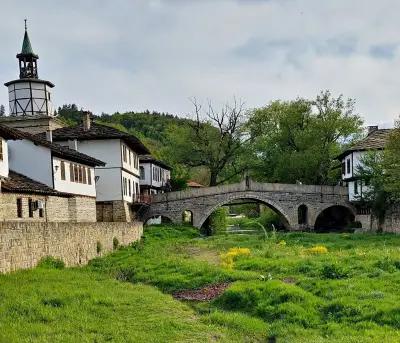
[30,98]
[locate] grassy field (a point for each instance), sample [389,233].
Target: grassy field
[295,287]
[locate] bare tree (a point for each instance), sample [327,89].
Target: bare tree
[217,139]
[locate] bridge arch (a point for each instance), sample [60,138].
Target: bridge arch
[162,218]
[200,220]
[335,217]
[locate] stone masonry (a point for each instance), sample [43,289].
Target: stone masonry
[283,198]
[23,244]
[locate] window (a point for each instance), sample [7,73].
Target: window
[30,207]
[76,173]
[142,173]
[71,172]
[137,188]
[19,207]
[1,149]
[343,168]
[84,175]
[355,187]
[41,212]
[130,158]
[348,166]
[89,176]
[62,167]
[124,157]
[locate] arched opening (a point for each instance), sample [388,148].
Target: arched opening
[302,214]
[242,216]
[187,217]
[157,220]
[334,219]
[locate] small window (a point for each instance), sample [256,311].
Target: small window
[343,168]
[130,187]
[62,167]
[355,187]
[71,172]
[1,149]
[89,176]
[19,207]
[348,166]
[130,158]
[41,213]
[142,173]
[76,173]
[30,207]
[84,180]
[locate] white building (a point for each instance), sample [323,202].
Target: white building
[155,175]
[352,159]
[43,181]
[117,182]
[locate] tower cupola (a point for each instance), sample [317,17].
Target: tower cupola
[27,59]
[29,95]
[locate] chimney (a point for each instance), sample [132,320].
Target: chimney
[49,136]
[372,128]
[73,144]
[87,120]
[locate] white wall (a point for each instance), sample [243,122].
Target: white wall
[147,174]
[73,187]
[106,150]
[4,162]
[31,160]
[108,186]
[132,159]
[135,190]
[150,178]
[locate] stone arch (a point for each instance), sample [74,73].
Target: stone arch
[187,217]
[302,215]
[200,220]
[334,217]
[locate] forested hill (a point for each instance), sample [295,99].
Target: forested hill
[149,126]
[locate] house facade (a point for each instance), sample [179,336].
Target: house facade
[352,159]
[118,181]
[36,183]
[155,175]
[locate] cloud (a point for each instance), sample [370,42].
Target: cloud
[135,55]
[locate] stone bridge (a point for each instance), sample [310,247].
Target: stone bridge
[298,205]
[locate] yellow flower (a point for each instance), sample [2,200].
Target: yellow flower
[316,250]
[282,243]
[229,257]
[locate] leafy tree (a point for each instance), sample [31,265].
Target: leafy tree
[297,141]
[391,164]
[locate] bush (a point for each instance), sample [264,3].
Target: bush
[333,271]
[50,262]
[316,250]
[115,243]
[218,220]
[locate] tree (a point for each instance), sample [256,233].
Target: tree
[211,139]
[2,111]
[391,164]
[297,141]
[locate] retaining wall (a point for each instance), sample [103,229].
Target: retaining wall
[23,244]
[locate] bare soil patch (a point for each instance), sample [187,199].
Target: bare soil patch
[206,293]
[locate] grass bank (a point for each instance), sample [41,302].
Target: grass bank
[297,287]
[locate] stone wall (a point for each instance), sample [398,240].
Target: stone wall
[114,211]
[57,209]
[23,244]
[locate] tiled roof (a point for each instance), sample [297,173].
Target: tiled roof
[98,131]
[151,159]
[194,184]
[18,183]
[376,140]
[57,150]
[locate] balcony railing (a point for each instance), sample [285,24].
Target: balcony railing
[142,198]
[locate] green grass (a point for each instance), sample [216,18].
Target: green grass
[350,294]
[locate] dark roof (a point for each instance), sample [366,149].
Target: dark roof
[376,140]
[194,184]
[151,159]
[27,46]
[18,183]
[96,132]
[56,149]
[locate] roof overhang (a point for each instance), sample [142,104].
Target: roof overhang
[48,83]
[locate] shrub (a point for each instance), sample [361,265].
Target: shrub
[50,262]
[316,250]
[333,271]
[115,243]
[218,220]
[99,247]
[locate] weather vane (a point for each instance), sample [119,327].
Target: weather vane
[25,24]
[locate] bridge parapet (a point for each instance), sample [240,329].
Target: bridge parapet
[254,187]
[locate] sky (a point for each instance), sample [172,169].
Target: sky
[109,56]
